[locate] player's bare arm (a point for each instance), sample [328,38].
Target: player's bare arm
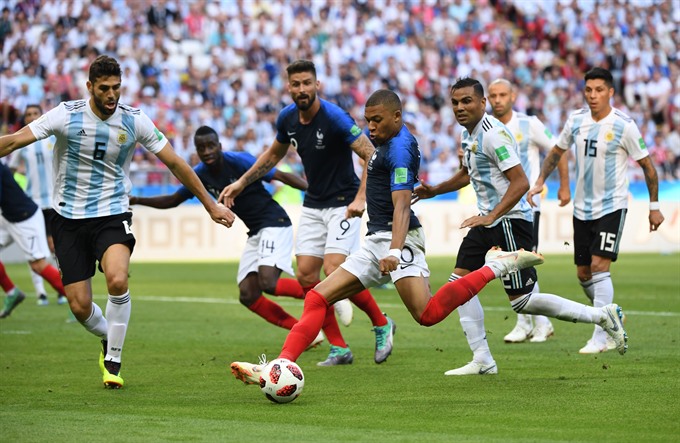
[12,142]
[519,185]
[363,147]
[264,164]
[459,180]
[655,215]
[549,164]
[159,202]
[564,193]
[291,180]
[400,222]
[180,169]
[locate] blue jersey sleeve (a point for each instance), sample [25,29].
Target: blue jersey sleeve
[184,191]
[282,135]
[347,129]
[403,166]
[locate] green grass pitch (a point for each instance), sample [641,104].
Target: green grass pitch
[187,326]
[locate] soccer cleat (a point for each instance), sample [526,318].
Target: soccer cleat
[541,333]
[475,368]
[112,378]
[317,341]
[613,325]
[508,262]
[62,300]
[520,333]
[384,336]
[344,311]
[11,302]
[338,356]
[102,354]
[248,373]
[611,344]
[593,347]
[42,300]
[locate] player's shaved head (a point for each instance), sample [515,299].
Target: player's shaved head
[389,99]
[502,81]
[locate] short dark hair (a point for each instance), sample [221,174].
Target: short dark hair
[104,66]
[299,66]
[34,105]
[205,130]
[600,73]
[466,82]
[384,97]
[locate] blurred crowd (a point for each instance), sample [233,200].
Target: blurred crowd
[222,63]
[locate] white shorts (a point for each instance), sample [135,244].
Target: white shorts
[327,231]
[269,247]
[29,235]
[365,264]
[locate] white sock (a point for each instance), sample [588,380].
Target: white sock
[38,283]
[557,307]
[588,289]
[603,291]
[96,323]
[538,320]
[118,312]
[472,321]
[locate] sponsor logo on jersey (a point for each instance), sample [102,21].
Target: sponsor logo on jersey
[82,133]
[158,134]
[547,133]
[642,144]
[400,175]
[355,130]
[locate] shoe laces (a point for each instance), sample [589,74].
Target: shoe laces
[381,335]
[336,351]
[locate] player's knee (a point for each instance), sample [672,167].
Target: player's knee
[267,284]
[584,274]
[117,283]
[247,297]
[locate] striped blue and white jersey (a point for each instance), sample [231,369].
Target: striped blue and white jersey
[92,156]
[489,151]
[37,161]
[532,137]
[602,151]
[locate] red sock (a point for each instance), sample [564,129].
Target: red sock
[5,281]
[332,329]
[289,287]
[305,330]
[306,289]
[52,276]
[454,294]
[365,301]
[273,313]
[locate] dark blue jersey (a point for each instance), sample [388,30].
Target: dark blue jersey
[255,206]
[15,205]
[393,167]
[324,147]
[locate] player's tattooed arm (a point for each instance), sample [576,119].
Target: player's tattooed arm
[551,161]
[363,147]
[651,178]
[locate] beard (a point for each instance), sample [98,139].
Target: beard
[101,108]
[310,99]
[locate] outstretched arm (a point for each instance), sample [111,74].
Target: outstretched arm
[459,180]
[549,164]
[655,215]
[159,202]
[11,142]
[291,180]
[188,178]
[264,164]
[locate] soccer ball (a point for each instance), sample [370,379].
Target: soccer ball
[282,380]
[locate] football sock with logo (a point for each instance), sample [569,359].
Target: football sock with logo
[557,307]
[305,330]
[454,294]
[96,323]
[118,315]
[331,328]
[365,301]
[289,287]
[273,313]
[52,276]
[38,282]
[6,282]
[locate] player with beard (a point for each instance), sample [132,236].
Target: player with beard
[324,136]
[95,140]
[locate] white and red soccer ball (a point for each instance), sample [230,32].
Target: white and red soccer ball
[282,380]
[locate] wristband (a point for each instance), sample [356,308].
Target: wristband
[396,253]
[654,206]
